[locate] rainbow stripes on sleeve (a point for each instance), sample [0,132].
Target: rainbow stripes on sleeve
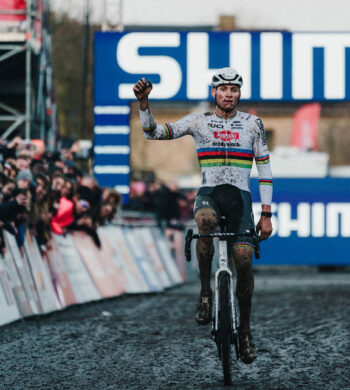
[149,129]
[265,182]
[262,159]
[217,157]
[169,131]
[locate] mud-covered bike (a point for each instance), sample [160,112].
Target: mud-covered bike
[225,309]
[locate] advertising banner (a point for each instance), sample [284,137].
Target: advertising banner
[116,235]
[80,280]
[276,66]
[59,275]
[102,270]
[16,285]
[8,306]
[123,259]
[177,246]
[311,222]
[25,274]
[165,254]
[141,258]
[46,292]
[145,235]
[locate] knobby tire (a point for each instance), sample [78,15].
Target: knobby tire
[224,326]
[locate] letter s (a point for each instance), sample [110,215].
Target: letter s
[167,67]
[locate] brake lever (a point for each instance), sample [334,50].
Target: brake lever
[256,240]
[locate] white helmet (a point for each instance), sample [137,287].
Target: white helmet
[226,76]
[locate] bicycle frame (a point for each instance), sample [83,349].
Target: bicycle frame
[224,267]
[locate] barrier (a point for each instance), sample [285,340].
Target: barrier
[74,270]
[137,283]
[9,308]
[42,278]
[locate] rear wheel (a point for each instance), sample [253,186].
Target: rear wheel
[224,334]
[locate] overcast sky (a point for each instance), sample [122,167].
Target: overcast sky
[294,15]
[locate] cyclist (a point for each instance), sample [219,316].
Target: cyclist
[227,140]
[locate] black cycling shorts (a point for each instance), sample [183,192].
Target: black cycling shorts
[232,203]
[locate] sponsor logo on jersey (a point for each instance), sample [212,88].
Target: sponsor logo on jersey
[216,125]
[226,135]
[226,144]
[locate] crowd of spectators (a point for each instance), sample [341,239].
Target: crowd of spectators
[169,204]
[45,192]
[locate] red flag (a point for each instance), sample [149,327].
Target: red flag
[305,126]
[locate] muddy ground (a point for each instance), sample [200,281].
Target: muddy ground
[301,327]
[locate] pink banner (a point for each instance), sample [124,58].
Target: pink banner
[305,126]
[108,280]
[12,5]
[60,279]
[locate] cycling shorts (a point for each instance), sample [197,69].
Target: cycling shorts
[232,203]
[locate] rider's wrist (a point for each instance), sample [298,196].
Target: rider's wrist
[143,104]
[266,214]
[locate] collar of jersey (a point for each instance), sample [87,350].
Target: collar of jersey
[221,117]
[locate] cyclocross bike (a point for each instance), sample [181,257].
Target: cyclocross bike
[225,309]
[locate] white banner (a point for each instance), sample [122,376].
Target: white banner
[42,278]
[145,235]
[123,259]
[25,274]
[166,257]
[143,262]
[82,284]
[8,306]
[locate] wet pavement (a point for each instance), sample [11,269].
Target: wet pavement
[300,324]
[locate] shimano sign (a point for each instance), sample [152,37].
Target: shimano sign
[274,65]
[311,222]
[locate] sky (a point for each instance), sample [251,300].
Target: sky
[293,15]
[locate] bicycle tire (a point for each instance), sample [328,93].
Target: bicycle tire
[224,334]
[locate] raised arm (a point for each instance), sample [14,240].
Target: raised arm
[151,130]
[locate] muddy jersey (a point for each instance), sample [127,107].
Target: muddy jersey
[225,147]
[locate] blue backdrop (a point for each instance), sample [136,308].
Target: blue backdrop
[317,229]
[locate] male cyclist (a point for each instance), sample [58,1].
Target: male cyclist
[227,140]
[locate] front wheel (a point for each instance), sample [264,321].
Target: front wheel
[224,333]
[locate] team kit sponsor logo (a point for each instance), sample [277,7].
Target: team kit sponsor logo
[226,135]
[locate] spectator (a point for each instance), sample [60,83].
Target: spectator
[8,190]
[23,162]
[50,193]
[65,212]
[40,216]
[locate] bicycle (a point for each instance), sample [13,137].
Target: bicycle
[225,309]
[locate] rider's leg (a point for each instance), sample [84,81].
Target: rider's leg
[245,283]
[206,220]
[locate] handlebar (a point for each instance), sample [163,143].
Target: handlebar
[190,236]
